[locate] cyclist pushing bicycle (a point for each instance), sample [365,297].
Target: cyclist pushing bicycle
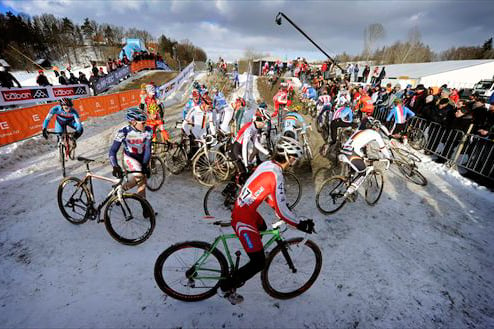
[265,184]
[136,139]
[65,115]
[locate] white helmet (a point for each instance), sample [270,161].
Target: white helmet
[288,147]
[262,114]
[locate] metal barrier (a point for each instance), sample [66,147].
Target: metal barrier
[477,155]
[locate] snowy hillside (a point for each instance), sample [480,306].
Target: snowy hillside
[422,257]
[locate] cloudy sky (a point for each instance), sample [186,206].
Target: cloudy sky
[228,28]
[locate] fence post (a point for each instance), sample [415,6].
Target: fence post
[460,147]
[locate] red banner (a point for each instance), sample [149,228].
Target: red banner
[142,65]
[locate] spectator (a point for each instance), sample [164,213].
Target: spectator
[101,73]
[109,65]
[461,118]
[418,100]
[55,70]
[442,113]
[6,79]
[82,79]
[375,74]
[381,76]
[42,80]
[114,65]
[125,60]
[72,79]
[92,81]
[355,72]
[94,69]
[365,74]
[62,79]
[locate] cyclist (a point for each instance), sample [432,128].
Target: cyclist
[136,139]
[196,122]
[342,117]
[194,100]
[249,133]
[400,114]
[65,115]
[293,121]
[265,184]
[324,108]
[353,150]
[222,113]
[239,109]
[155,112]
[281,98]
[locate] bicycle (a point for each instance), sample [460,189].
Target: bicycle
[332,195]
[66,145]
[122,210]
[192,270]
[407,164]
[220,198]
[176,159]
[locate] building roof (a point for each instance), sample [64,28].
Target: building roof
[270,59]
[418,70]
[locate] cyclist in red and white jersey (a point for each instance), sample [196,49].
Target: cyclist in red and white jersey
[265,184]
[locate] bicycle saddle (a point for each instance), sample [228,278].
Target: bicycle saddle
[86,160]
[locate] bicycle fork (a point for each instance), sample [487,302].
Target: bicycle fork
[284,251]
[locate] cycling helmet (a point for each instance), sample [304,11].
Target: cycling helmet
[262,114]
[135,114]
[196,85]
[288,147]
[376,124]
[150,89]
[66,102]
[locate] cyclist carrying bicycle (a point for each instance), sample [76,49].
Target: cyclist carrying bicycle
[249,133]
[352,153]
[265,184]
[136,140]
[400,114]
[65,115]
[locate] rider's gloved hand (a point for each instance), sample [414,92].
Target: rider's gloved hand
[45,133]
[117,172]
[306,225]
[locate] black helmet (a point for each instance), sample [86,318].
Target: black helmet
[66,101]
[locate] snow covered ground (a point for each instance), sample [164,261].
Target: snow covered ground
[422,257]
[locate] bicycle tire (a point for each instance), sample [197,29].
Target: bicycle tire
[137,219]
[375,180]
[218,201]
[211,169]
[416,139]
[407,155]
[293,189]
[164,281]
[176,160]
[410,173]
[332,193]
[83,205]
[277,261]
[158,174]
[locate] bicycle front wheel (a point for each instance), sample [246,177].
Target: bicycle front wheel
[293,189]
[131,221]
[291,268]
[406,155]
[330,197]
[190,271]
[210,168]
[411,173]
[416,139]
[374,187]
[220,199]
[158,174]
[73,200]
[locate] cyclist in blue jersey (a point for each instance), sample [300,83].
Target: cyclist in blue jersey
[293,120]
[65,115]
[222,112]
[400,114]
[136,139]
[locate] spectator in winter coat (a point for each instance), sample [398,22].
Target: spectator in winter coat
[381,76]
[42,80]
[365,74]
[461,118]
[443,112]
[6,79]
[72,79]
[109,65]
[355,72]
[83,79]
[94,69]
[375,75]
[62,79]
[101,73]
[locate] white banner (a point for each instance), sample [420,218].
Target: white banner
[25,95]
[174,84]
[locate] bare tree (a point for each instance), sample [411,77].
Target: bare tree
[372,34]
[414,36]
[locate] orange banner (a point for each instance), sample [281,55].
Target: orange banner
[19,124]
[143,64]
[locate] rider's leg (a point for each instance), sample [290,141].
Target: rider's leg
[136,178]
[236,155]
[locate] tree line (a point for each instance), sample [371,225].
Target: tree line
[60,40]
[413,50]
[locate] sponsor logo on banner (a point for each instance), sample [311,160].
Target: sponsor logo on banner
[80,91]
[25,94]
[63,92]
[40,94]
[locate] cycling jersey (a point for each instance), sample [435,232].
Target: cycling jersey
[365,104]
[324,100]
[137,144]
[400,113]
[188,106]
[219,101]
[199,120]
[292,121]
[63,119]
[249,133]
[343,113]
[356,143]
[265,184]
[311,93]
[153,108]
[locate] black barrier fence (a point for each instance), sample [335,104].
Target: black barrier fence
[112,78]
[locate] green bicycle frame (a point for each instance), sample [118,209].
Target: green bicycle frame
[222,239]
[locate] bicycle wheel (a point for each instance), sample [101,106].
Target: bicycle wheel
[158,174]
[416,138]
[126,221]
[407,155]
[293,189]
[176,160]
[411,173]
[220,199]
[190,271]
[374,185]
[330,197]
[210,168]
[73,200]
[291,268]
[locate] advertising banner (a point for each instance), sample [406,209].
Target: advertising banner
[162,66]
[15,96]
[174,84]
[142,65]
[111,79]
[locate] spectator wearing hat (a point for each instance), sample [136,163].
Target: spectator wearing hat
[94,69]
[82,79]
[418,100]
[101,73]
[72,79]
[42,80]
[62,79]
